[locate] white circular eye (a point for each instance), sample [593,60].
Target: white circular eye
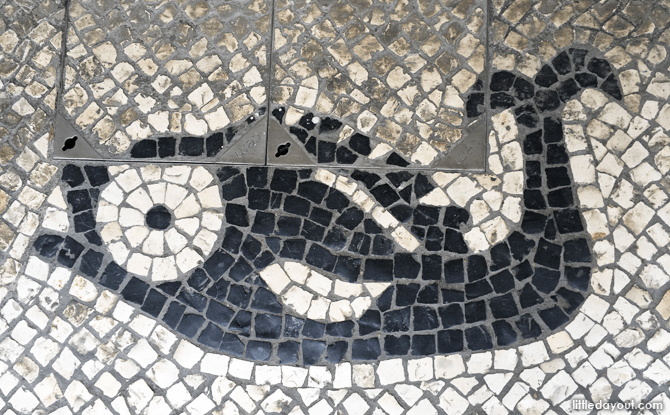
[316,120]
[163,214]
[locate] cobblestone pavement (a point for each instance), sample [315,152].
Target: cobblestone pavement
[353,207]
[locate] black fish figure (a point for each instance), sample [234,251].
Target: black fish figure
[305,271]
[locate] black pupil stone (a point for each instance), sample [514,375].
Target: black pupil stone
[158,218]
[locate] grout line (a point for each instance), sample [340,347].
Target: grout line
[487,87]
[63,55]
[270,78]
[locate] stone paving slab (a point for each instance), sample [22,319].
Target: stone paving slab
[388,78]
[165,80]
[537,287]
